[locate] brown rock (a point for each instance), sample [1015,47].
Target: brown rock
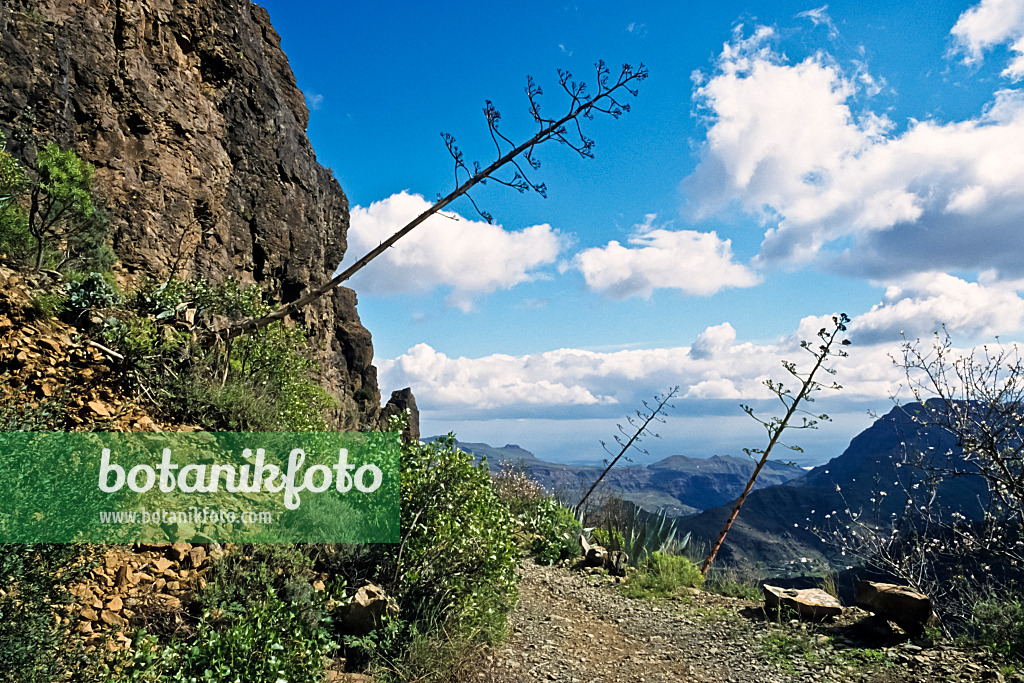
[597,556]
[89,614]
[109,617]
[197,556]
[169,601]
[617,562]
[811,604]
[98,408]
[910,610]
[161,564]
[124,577]
[115,604]
[50,344]
[366,610]
[402,401]
[84,627]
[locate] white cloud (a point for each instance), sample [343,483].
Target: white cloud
[925,302]
[713,341]
[991,23]
[314,101]
[784,143]
[471,257]
[695,263]
[579,384]
[819,16]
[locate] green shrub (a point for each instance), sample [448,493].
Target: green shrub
[554,529]
[49,218]
[458,555]
[258,382]
[90,291]
[608,538]
[34,577]
[271,641]
[261,620]
[660,575]
[999,624]
[45,305]
[246,576]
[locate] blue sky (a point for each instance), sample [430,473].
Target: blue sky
[783,162]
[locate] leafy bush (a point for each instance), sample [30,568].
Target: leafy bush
[257,382]
[45,305]
[33,646]
[608,537]
[260,620]
[90,291]
[458,558]
[271,641]
[999,625]
[49,217]
[554,528]
[660,575]
[247,575]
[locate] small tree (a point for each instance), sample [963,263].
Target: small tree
[977,398]
[969,418]
[14,236]
[775,426]
[640,424]
[62,216]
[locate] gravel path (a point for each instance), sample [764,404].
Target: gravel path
[573,627]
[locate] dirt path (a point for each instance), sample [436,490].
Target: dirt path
[572,627]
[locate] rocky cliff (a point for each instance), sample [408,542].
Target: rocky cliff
[191,115]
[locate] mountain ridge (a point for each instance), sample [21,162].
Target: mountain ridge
[677,485]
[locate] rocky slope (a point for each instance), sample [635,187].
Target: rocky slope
[192,117]
[778,523]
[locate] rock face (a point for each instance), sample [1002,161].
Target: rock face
[190,113]
[402,401]
[812,604]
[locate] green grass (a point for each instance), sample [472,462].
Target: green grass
[660,576]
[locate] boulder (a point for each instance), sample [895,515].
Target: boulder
[810,604]
[617,562]
[596,556]
[910,610]
[366,611]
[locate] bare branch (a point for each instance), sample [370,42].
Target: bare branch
[550,129]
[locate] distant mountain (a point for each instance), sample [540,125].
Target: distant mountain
[679,485]
[774,523]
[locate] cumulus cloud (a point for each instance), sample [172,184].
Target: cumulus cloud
[785,143]
[925,302]
[713,341]
[991,23]
[471,257]
[695,263]
[579,384]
